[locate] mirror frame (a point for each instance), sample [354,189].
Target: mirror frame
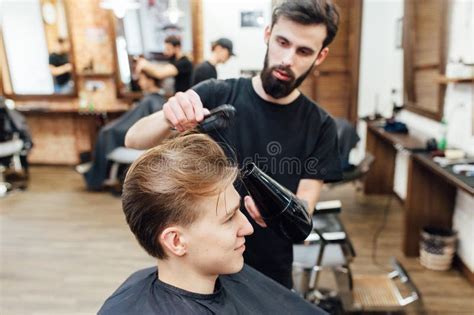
[409,33]
[47,97]
[197,55]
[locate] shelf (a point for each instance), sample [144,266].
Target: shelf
[446,80]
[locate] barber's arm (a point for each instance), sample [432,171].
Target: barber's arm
[182,112]
[158,71]
[58,70]
[308,191]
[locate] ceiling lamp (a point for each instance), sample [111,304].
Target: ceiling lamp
[120,7]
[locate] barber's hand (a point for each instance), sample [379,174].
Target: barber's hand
[141,63]
[253,211]
[184,110]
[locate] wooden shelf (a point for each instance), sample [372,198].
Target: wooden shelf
[446,80]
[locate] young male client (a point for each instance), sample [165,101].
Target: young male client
[180,202]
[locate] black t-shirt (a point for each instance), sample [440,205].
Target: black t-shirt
[203,72]
[182,81]
[289,142]
[59,60]
[246,292]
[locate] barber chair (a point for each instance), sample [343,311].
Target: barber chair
[10,151]
[328,248]
[120,157]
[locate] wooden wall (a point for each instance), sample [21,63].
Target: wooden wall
[334,84]
[425,47]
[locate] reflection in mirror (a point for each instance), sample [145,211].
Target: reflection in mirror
[36,48]
[142,33]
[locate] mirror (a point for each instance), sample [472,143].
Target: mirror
[36,49]
[142,31]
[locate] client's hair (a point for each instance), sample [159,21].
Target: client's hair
[164,185]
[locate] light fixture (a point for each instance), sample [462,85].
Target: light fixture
[120,7]
[173,12]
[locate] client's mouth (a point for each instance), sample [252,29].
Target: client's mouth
[240,247]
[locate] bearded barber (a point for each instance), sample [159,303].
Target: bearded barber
[286,134]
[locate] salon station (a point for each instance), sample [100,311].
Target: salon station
[339,135]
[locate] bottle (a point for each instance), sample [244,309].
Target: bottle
[281,210]
[443,143]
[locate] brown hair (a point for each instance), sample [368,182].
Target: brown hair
[309,12]
[164,185]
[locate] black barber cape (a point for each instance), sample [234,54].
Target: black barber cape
[288,142]
[246,292]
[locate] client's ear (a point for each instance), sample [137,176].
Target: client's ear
[173,241]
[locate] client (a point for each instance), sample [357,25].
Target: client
[180,203]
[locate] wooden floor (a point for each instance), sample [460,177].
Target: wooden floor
[64,250]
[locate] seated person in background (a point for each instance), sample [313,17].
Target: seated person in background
[60,67]
[112,135]
[180,202]
[179,66]
[222,50]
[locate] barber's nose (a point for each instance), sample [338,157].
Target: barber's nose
[288,58]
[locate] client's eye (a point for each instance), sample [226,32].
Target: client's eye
[231,217]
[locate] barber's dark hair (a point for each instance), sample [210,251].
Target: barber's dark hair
[309,12]
[173,40]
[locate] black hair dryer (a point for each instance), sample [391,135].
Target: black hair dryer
[281,210]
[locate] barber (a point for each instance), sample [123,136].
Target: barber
[287,135]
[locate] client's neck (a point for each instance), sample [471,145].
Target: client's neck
[181,275]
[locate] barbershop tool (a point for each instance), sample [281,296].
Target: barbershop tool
[219,118]
[281,210]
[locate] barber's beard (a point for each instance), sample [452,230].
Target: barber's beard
[277,88]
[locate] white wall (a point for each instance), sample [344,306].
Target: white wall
[381,63]
[222,19]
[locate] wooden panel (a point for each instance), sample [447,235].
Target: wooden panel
[425,39]
[430,201]
[428,18]
[379,180]
[54,139]
[91,30]
[334,85]
[333,93]
[198,51]
[427,89]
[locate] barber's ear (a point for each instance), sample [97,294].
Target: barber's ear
[173,241]
[267,33]
[322,55]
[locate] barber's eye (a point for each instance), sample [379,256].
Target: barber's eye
[305,52]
